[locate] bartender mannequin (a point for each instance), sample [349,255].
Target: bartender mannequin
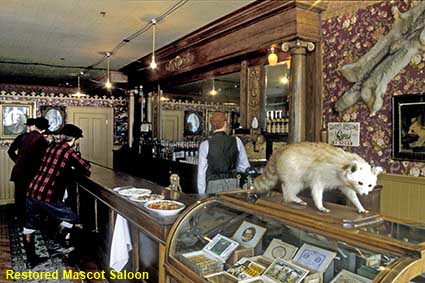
[220,158]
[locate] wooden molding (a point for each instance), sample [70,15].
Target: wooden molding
[248,30]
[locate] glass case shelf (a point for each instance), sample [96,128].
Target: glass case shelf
[275,246]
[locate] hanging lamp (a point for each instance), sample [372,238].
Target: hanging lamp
[78,93]
[153,64]
[108,83]
[213,92]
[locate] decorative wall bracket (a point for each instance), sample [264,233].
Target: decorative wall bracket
[180,62]
[286,46]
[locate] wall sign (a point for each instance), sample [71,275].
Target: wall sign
[344,134]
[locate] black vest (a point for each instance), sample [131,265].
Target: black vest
[222,156]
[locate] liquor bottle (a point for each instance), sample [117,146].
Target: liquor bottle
[269,122]
[286,122]
[274,122]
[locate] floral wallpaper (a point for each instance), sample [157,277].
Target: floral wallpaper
[60,96]
[345,39]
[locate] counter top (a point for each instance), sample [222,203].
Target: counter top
[101,183]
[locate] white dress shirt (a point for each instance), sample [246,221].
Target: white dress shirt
[241,165]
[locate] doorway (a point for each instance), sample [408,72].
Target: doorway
[97,126]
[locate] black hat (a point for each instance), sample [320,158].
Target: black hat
[41,123]
[30,122]
[72,131]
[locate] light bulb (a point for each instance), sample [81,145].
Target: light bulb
[284,80]
[108,84]
[153,64]
[272,58]
[213,92]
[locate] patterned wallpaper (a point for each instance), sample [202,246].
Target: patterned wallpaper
[345,39]
[60,97]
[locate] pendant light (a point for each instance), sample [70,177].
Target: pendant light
[153,64]
[78,93]
[213,92]
[108,83]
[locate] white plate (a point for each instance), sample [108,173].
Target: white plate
[134,192]
[164,212]
[149,197]
[117,189]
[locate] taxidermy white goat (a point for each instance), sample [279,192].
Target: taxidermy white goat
[320,167]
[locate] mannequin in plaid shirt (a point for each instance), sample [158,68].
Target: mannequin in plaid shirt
[47,188]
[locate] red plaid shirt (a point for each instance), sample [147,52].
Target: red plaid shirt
[51,179]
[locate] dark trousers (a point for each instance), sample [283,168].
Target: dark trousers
[21,188]
[36,209]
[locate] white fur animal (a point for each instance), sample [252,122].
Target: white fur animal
[320,167]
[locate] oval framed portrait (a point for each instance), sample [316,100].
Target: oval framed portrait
[193,123]
[56,115]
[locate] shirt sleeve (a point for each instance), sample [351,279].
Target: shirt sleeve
[14,146]
[202,166]
[243,162]
[81,166]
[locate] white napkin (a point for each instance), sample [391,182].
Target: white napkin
[121,244]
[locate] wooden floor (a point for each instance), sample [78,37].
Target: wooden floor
[86,262]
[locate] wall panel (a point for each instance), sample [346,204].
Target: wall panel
[403,196]
[6,187]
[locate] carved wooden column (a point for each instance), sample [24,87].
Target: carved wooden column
[131,102]
[297,97]
[255,95]
[244,94]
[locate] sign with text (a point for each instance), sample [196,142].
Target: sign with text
[344,134]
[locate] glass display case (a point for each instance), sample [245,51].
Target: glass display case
[243,238]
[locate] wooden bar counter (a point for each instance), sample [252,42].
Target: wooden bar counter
[98,204]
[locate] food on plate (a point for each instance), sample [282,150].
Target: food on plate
[165,205]
[147,197]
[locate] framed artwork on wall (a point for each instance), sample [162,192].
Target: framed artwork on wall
[409,127]
[193,123]
[56,116]
[13,118]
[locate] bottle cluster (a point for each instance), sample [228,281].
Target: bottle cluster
[184,151]
[278,122]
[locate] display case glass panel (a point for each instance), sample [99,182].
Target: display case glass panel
[280,250]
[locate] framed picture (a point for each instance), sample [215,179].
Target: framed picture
[314,278]
[346,276]
[193,123]
[314,258]
[221,247]
[13,118]
[56,115]
[221,277]
[344,133]
[283,271]
[246,268]
[249,235]
[409,127]
[280,249]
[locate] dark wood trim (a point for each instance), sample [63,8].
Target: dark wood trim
[314,100]
[244,94]
[247,30]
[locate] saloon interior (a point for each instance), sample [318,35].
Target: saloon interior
[142,79]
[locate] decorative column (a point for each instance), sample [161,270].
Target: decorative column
[297,97]
[131,102]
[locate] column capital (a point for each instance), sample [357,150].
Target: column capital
[286,46]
